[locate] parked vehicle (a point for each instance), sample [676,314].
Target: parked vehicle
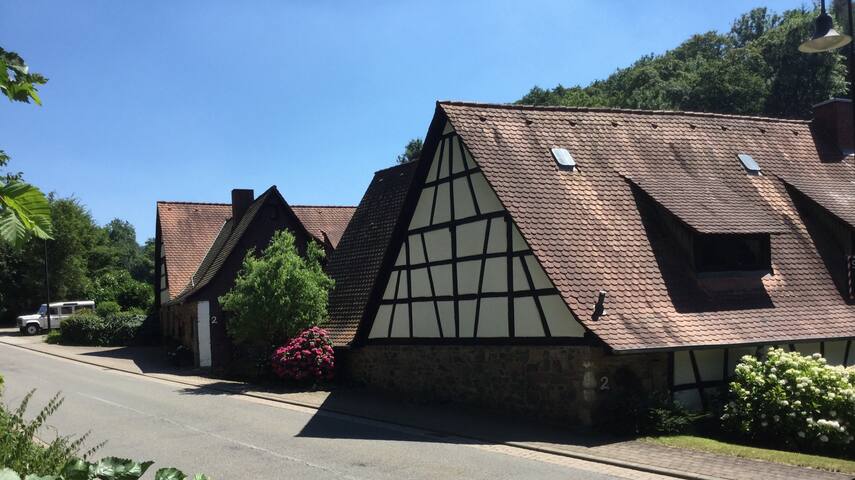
[35,323]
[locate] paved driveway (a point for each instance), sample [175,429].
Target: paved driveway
[235,437]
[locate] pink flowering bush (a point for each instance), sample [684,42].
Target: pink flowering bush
[308,356]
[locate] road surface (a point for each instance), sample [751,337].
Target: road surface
[235,437]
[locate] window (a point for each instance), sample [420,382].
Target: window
[68,310]
[54,310]
[724,253]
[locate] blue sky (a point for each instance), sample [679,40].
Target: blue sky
[158,100]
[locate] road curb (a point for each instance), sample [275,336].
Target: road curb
[553,451]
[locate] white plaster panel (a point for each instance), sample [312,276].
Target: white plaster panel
[470,238]
[417,253]
[538,276]
[456,158]
[434,164]
[401,322]
[380,328]
[835,351]
[442,172]
[494,318]
[467,276]
[710,364]
[420,283]
[683,372]
[421,216]
[441,279]
[438,244]
[446,317]
[518,240]
[734,356]
[390,286]
[498,236]
[424,320]
[526,318]
[442,211]
[448,128]
[464,207]
[401,259]
[466,309]
[561,322]
[487,199]
[520,280]
[495,275]
[402,286]
[467,158]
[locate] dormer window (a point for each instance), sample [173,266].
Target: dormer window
[732,253]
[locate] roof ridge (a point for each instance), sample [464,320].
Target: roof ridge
[322,206]
[194,203]
[515,106]
[398,166]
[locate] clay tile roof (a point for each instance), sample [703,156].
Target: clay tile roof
[325,223]
[591,231]
[188,230]
[355,263]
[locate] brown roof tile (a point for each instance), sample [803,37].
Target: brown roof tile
[590,232]
[355,263]
[187,231]
[325,223]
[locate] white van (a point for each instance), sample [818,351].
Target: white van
[35,323]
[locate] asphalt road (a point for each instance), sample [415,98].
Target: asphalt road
[233,437]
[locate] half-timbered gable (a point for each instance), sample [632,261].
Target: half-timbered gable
[463,269]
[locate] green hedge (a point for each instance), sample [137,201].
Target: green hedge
[120,328]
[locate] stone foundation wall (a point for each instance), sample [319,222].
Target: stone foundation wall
[561,383]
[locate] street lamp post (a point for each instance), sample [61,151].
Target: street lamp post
[825,39]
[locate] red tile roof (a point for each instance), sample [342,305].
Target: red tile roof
[325,223]
[188,230]
[355,263]
[591,233]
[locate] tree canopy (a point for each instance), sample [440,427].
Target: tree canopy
[753,69]
[411,151]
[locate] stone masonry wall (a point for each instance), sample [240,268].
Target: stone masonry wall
[562,383]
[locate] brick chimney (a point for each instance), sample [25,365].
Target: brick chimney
[833,119]
[241,200]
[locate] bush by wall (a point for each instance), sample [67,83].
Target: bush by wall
[795,400]
[120,328]
[105,309]
[308,356]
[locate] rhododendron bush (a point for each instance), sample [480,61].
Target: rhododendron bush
[308,356]
[794,399]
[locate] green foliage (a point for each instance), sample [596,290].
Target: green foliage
[83,259]
[793,400]
[278,294]
[54,337]
[629,409]
[24,211]
[412,151]
[107,308]
[116,329]
[16,80]
[117,286]
[754,69]
[20,452]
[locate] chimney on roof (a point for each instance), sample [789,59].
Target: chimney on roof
[241,200]
[833,118]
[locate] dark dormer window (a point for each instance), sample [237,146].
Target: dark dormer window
[732,253]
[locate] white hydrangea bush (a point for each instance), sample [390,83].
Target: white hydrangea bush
[793,399]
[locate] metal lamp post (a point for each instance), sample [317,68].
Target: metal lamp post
[825,39]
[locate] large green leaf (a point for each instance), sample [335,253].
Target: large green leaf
[24,210]
[114,468]
[170,473]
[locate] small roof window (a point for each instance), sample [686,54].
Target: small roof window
[564,159]
[749,164]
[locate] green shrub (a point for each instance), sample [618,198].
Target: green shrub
[277,295]
[53,337]
[20,452]
[105,309]
[110,468]
[114,330]
[793,400]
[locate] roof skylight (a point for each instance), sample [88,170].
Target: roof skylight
[564,159]
[749,164]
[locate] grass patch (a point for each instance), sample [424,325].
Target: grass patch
[53,337]
[778,456]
